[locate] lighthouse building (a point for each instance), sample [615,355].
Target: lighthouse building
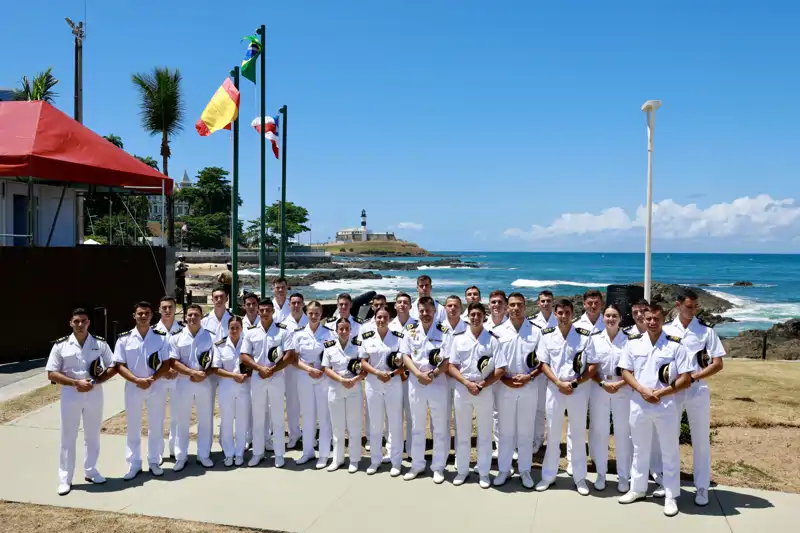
[362,234]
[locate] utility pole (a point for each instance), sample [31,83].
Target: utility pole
[80,34]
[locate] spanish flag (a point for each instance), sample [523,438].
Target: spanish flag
[220,111]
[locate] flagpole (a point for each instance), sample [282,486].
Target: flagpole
[262,31]
[234,303]
[285,113]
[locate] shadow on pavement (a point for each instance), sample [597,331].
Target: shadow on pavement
[723,502]
[118,484]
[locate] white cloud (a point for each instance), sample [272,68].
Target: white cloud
[410,225]
[760,217]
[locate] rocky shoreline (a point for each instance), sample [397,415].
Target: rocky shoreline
[781,341]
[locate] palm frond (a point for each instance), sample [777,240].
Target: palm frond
[161,107]
[40,88]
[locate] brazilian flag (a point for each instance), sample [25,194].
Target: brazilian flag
[249,61]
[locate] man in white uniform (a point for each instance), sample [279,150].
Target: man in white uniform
[280,302]
[169,327]
[402,306]
[251,317]
[638,310]
[80,363]
[142,356]
[344,303]
[545,318]
[424,288]
[656,366]
[216,322]
[456,324]
[471,295]
[378,301]
[497,307]
[295,320]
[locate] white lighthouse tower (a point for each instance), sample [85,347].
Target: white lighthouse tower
[364,225]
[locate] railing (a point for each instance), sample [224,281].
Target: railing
[226,253]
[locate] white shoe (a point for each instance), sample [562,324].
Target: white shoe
[279,462]
[227,462]
[411,474]
[623,486]
[95,477]
[632,496]
[670,507]
[255,460]
[238,461]
[600,482]
[394,472]
[131,473]
[367,446]
[386,459]
[484,482]
[371,469]
[334,466]
[206,462]
[527,480]
[269,446]
[156,470]
[701,498]
[438,477]
[583,490]
[495,453]
[292,443]
[543,485]
[322,462]
[569,469]
[500,479]
[64,489]
[179,465]
[304,459]
[459,480]
[515,456]
[660,492]
[352,467]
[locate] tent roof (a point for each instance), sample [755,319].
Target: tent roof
[38,140]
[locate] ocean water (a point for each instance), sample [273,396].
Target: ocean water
[775,296]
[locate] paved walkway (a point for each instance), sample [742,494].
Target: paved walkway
[302,499]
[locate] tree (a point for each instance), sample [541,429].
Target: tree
[207,231]
[296,219]
[210,194]
[40,88]
[161,108]
[147,160]
[116,140]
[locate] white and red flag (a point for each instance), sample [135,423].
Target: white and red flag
[270,130]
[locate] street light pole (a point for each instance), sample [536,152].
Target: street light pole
[649,107]
[80,35]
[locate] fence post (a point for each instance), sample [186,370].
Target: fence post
[764,347]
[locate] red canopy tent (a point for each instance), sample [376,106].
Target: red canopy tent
[38,140]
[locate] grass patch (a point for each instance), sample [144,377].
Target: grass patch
[28,402]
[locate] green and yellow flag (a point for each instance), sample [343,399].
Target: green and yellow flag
[249,61]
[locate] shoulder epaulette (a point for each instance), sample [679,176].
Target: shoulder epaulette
[367,334]
[358,320]
[551,329]
[181,324]
[252,327]
[124,333]
[159,332]
[575,319]
[493,334]
[211,332]
[583,331]
[596,332]
[220,342]
[635,336]
[531,317]
[61,339]
[356,341]
[207,315]
[300,328]
[459,333]
[98,337]
[281,325]
[398,333]
[332,319]
[706,324]
[673,338]
[534,323]
[410,327]
[626,330]
[328,344]
[441,327]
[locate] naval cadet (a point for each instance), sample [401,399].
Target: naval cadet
[472,294]
[294,320]
[250,317]
[216,321]
[545,318]
[424,288]
[80,363]
[498,304]
[456,324]
[344,304]
[402,308]
[170,327]
[234,393]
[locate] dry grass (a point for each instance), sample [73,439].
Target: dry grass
[28,402]
[30,518]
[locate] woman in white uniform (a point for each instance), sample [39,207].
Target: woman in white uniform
[611,395]
[342,365]
[234,393]
[381,359]
[312,384]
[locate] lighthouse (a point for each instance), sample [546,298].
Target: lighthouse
[364,225]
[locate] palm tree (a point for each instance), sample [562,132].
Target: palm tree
[162,107]
[40,88]
[116,140]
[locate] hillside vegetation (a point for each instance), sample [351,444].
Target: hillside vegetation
[372,248]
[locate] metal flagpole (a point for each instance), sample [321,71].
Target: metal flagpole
[234,303]
[262,31]
[284,111]
[649,107]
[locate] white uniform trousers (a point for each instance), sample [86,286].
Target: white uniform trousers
[171,395]
[405,423]
[313,396]
[576,405]
[292,402]
[483,405]
[649,423]
[214,380]
[517,408]
[385,401]
[345,406]
[199,394]
[602,406]
[268,395]
[541,412]
[422,398]
[74,407]
[233,400]
[135,398]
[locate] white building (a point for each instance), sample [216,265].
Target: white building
[181,207]
[19,225]
[362,234]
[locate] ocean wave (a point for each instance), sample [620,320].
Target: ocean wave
[434,267]
[718,285]
[747,310]
[539,283]
[380,285]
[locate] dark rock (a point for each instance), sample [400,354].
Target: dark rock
[321,275]
[401,265]
[743,284]
[783,342]
[788,330]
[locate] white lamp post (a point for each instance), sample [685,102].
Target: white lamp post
[649,107]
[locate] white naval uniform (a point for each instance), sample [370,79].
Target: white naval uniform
[417,345]
[460,327]
[134,351]
[489,325]
[247,324]
[696,399]
[267,394]
[644,360]
[344,404]
[170,386]
[219,330]
[233,399]
[538,432]
[439,315]
[396,325]
[188,349]
[518,406]
[281,311]
[313,393]
[559,352]
[68,357]
[292,395]
[384,400]
[598,326]
[356,324]
[466,351]
[603,405]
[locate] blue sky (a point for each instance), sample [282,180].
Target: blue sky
[492,126]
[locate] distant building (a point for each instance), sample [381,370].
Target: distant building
[181,207]
[362,234]
[6,94]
